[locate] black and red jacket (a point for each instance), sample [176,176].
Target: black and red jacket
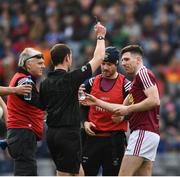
[99,116]
[22,113]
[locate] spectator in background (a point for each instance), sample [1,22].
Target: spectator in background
[25,118]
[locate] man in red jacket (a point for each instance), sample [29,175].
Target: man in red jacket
[19,90]
[25,117]
[105,143]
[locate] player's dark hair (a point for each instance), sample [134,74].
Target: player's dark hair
[133,49]
[58,53]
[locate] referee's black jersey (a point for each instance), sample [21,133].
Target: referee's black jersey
[59,96]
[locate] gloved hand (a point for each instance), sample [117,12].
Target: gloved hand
[3,144]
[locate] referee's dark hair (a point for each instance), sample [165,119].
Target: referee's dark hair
[58,53]
[133,49]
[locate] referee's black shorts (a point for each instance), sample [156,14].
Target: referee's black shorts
[64,146]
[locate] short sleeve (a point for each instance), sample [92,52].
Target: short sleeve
[147,78]
[81,74]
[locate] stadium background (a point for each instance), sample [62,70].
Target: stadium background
[154,24]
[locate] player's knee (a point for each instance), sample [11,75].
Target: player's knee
[125,172]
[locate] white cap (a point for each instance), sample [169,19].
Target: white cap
[26,54]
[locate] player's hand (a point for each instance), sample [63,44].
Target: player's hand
[23,89]
[88,126]
[90,100]
[100,29]
[117,119]
[122,110]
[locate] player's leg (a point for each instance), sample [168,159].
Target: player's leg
[142,147]
[148,151]
[81,171]
[145,169]
[113,153]
[61,173]
[132,161]
[64,146]
[130,164]
[91,159]
[22,147]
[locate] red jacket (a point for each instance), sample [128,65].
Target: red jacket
[22,114]
[101,117]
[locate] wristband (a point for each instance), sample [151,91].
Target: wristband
[100,38]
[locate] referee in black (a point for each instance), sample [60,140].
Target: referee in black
[59,96]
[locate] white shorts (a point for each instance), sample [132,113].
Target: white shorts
[143,143]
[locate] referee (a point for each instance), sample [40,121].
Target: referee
[59,96]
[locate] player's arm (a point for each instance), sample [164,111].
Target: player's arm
[99,52]
[126,101]
[20,90]
[85,109]
[126,87]
[148,84]
[87,85]
[150,102]
[150,89]
[34,101]
[4,107]
[92,100]
[112,106]
[80,75]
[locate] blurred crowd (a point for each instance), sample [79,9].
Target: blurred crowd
[155,25]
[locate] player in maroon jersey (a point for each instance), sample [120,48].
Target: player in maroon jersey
[142,105]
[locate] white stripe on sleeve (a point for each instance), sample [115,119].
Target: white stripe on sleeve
[144,76]
[127,86]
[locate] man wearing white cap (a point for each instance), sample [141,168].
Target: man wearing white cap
[19,90]
[25,118]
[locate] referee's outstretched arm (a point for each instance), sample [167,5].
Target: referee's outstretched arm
[99,52]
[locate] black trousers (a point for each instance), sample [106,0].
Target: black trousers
[106,152]
[22,145]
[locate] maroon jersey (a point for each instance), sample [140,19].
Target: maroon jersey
[147,120]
